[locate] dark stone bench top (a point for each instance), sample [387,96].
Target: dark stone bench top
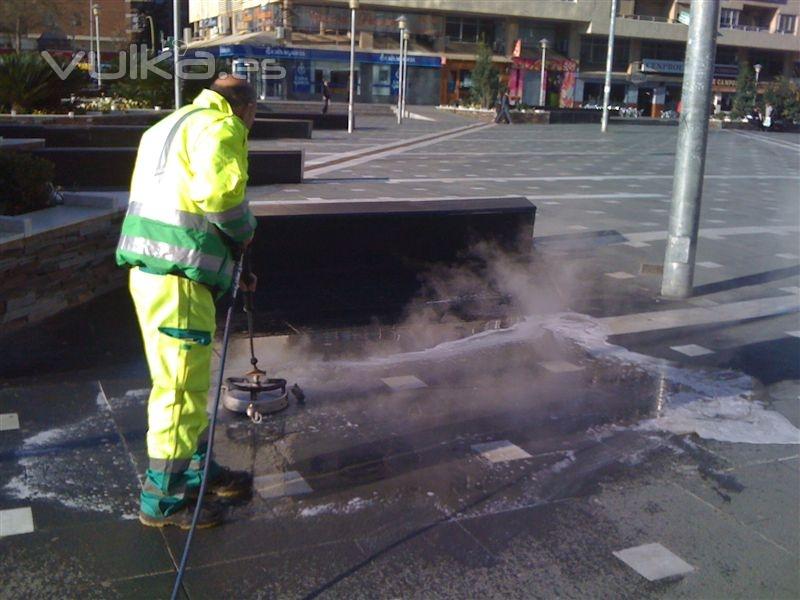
[301,208]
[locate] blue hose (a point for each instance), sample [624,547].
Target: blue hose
[237,273]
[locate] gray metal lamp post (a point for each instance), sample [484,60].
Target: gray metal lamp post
[401,23]
[609,63]
[687,190]
[757,68]
[91,36]
[98,59]
[544,42]
[406,36]
[353,9]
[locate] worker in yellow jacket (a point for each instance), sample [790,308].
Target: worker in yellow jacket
[186,220]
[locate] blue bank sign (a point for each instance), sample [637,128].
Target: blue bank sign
[675,67]
[307,54]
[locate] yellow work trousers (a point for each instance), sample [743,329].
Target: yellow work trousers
[177,319]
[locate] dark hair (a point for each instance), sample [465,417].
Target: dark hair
[238,96]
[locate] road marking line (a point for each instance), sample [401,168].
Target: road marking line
[15,521]
[636,244]
[708,264]
[594,178]
[500,451]
[9,422]
[793,333]
[788,256]
[790,290]
[786,145]
[691,317]
[692,350]
[620,275]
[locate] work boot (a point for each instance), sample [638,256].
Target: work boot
[230,484]
[210,516]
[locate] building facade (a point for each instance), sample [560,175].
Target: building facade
[68,26]
[310,39]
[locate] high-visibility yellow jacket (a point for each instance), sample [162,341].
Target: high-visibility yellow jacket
[187,202]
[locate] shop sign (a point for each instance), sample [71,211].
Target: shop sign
[302,77]
[675,67]
[282,52]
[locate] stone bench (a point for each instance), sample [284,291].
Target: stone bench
[128,136]
[112,168]
[358,259]
[320,121]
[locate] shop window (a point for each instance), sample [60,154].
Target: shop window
[381,80]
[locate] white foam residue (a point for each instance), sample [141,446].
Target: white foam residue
[313,511]
[352,506]
[726,420]
[44,438]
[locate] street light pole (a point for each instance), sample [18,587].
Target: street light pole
[690,155]
[609,63]
[543,84]
[91,36]
[405,71]
[98,58]
[401,23]
[757,68]
[176,26]
[353,8]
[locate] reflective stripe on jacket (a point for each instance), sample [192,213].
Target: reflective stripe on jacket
[187,204]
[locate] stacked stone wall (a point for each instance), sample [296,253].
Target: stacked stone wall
[48,272]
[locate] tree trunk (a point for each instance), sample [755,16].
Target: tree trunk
[18,35]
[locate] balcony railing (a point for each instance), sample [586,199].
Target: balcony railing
[651,18]
[743,27]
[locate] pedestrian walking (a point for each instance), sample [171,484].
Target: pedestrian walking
[504,113]
[769,110]
[326,96]
[186,223]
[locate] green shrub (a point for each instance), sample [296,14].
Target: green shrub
[745,97]
[25,183]
[784,95]
[28,83]
[485,77]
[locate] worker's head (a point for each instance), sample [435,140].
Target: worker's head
[240,95]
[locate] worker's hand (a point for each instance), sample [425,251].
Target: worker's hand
[248,282]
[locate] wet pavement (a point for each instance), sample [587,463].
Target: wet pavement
[520,423]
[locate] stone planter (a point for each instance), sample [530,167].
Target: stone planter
[58,258]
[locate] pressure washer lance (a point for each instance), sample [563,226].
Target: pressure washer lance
[255,394]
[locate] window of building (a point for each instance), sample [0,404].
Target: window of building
[787,23]
[594,49]
[726,56]
[729,17]
[470,29]
[663,50]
